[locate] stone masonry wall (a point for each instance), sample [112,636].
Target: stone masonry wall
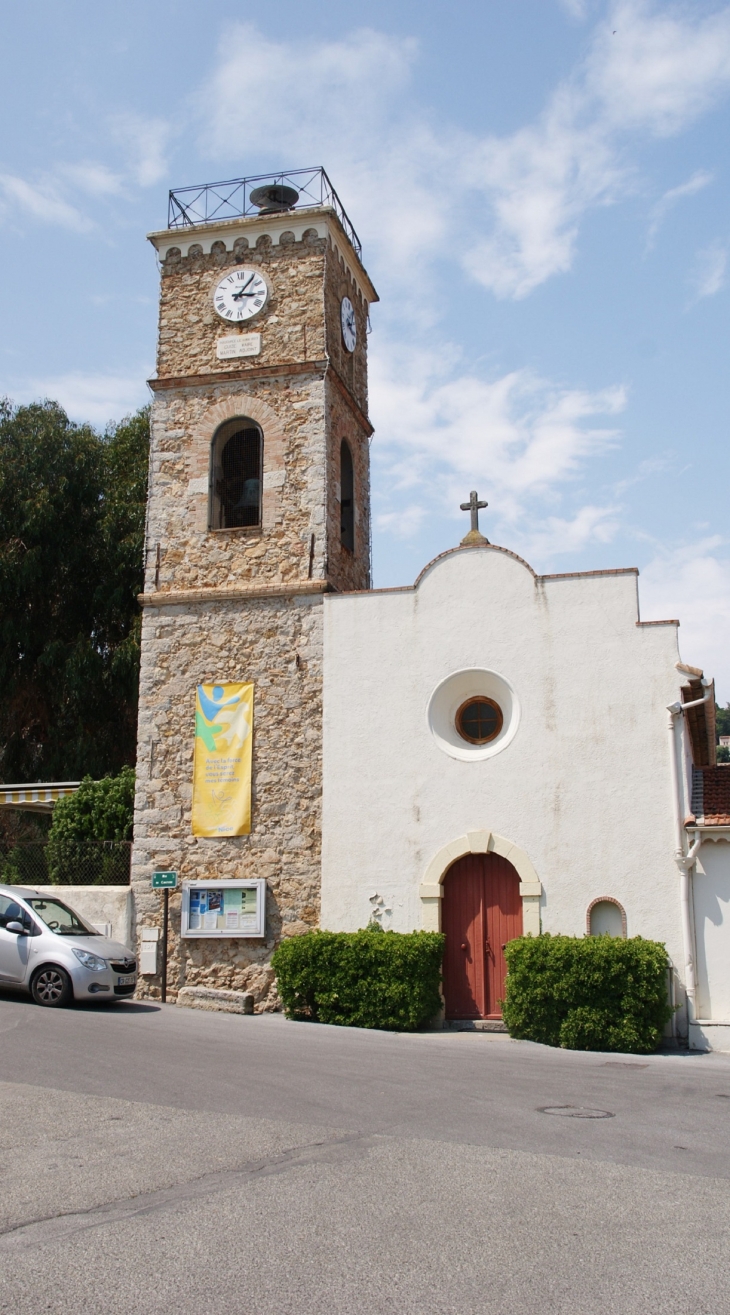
[291,413]
[291,323]
[352,367]
[276,643]
[347,570]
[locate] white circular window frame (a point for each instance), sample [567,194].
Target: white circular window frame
[447,698]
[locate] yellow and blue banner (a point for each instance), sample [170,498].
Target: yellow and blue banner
[222,759]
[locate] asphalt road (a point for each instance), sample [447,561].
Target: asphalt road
[155,1159]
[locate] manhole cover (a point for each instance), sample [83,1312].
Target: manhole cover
[575,1112]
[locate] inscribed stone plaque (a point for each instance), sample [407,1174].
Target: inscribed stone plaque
[240,344]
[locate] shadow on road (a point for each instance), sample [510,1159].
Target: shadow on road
[110,1007]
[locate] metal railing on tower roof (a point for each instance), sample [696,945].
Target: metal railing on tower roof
[211,203]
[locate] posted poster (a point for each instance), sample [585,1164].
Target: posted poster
[224,910]
[222,763]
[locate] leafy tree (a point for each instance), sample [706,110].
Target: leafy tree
[98,811]
[72,507]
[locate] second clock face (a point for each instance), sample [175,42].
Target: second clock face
[349,324]
[240,294]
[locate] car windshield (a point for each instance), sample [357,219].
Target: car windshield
[60,919]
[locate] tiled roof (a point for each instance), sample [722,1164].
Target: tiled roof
[711,795]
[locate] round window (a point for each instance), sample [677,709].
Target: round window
[479,720]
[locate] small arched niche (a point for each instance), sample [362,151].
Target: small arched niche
[606,917]
[236,475]
[347,497]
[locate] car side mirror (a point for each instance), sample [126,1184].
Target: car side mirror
[16,927]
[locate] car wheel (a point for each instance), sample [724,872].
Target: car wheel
[52,986]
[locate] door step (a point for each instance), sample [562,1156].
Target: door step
[474,1025]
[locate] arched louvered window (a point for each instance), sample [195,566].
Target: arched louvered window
[347,498]
[236,475]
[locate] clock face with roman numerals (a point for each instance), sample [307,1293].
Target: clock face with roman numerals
[240,294]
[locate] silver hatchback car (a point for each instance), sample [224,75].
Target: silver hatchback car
[52,952]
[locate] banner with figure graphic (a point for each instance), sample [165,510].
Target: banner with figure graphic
[222,759]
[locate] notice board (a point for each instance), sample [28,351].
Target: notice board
[212,909]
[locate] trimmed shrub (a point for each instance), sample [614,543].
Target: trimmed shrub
[369,978]
[589,993]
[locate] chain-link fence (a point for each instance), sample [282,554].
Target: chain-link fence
[66,863]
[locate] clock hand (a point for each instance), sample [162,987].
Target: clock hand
[237,295]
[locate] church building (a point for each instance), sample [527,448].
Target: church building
[488,752]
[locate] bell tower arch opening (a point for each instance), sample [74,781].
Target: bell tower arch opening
[236,476]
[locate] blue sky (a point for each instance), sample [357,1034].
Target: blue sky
[542,191]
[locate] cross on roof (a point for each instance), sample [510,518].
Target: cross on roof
[474,506]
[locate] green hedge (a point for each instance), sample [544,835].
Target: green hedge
[590,993]
[370,978]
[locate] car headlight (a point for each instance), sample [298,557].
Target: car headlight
[91,961]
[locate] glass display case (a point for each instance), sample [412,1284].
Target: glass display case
[223,908]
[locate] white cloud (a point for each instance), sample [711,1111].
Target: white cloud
[40,201]
[696,183]
[692,582]
[708,276]
[402,524]
[650,70]
[511,205]
[555,535]
[144,142]
[343,102]
[92,398]
[518,438]
[93,178]
[575,8]
[298,94]
[538,184]
[665,65]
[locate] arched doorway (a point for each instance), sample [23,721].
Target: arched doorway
[481,911]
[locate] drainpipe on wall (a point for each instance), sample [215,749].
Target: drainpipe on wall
[685,861]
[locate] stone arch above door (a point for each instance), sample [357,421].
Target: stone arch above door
[480,842]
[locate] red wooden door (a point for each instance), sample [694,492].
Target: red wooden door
[481,911]
[463,920]
[504,922]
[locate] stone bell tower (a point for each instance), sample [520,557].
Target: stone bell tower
[259,503]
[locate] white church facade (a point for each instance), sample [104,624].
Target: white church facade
[489,752]
[574,787]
